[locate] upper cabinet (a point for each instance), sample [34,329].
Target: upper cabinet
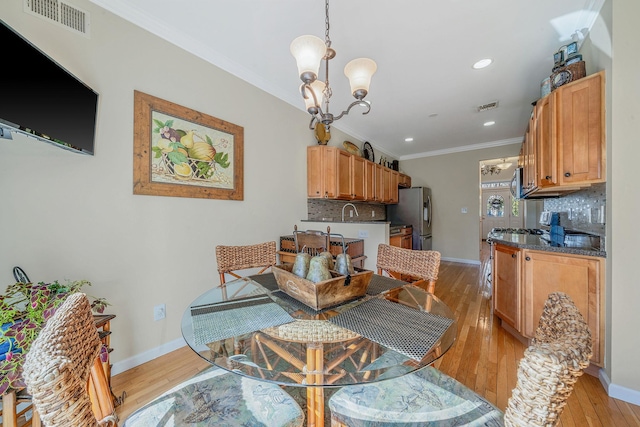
[337,174]
[564,146]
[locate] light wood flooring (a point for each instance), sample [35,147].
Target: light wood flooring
[484,358]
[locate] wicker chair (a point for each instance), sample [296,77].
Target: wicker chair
[232,259]
[421,267]
[59,364]
[551,365]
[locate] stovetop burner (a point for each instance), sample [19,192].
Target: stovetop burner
[535,231]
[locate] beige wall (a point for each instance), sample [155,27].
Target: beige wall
[624,152]
[68,216]
[454,180]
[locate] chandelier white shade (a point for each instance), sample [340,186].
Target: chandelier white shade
[309,51]
[359,72]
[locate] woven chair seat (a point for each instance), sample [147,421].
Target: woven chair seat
[409,264]
[306,331]
[217,397]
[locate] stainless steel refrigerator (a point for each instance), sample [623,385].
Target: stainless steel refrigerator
[414,208]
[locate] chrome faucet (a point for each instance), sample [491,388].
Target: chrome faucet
[349,204]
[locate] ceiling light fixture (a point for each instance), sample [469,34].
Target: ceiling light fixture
[482,63]
[408,139]
[309,51]
[495,169]
[489,123]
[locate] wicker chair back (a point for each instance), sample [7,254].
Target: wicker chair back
[400,263]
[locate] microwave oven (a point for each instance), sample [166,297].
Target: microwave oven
[516,184]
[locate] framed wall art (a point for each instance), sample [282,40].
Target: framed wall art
[180,152]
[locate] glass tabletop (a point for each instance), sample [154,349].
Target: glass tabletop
[252,328]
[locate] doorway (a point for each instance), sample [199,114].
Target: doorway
[498,208]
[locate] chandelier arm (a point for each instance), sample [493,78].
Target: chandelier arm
[353,104]
[314,119]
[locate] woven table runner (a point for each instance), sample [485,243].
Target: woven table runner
[400,328]
[215,322]
[380,284]
[266,280]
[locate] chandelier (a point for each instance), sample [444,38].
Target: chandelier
[495,169]
[309,51]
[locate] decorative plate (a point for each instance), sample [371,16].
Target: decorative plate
[367,152]
[351,147]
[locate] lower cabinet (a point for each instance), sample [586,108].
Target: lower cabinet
[506,285]
[522,280]
[402,240]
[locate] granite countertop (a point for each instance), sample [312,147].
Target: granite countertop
[532,241]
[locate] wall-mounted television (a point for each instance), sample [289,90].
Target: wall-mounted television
[39,98]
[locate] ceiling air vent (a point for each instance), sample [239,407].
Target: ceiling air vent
[489,106]
[61,13]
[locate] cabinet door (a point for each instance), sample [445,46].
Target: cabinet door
[581,138]
[529,171]
[344,175]
[321,172]
[358,185]
[386,185]
[394,196]
[547,155]
[369,181]
[506,284]
[577,276]
[379,170]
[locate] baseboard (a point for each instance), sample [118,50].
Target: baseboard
[146,356]
[463,261]
[619,392]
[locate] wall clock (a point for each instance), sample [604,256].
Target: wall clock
[560,78]
[367,152]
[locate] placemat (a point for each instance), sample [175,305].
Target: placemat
[266,280]
[379,284]
[400,328]
[215,322]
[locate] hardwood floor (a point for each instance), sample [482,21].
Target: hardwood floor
[484,358]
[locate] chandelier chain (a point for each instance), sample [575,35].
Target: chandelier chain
[327,39]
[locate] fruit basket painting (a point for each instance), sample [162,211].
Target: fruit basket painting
[181,152]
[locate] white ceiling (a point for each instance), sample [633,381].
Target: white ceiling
[425,86]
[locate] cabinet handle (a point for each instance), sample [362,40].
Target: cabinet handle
[513,255]
[326,195]
[528,258]
[567,174]
[548,177]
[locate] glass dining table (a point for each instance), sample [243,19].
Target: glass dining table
[252,328]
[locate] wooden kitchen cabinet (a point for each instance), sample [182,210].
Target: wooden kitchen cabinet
[322,172]
[404,181]
[402,240]
[580,277]
[339,175]
[580,130]
[564,146]
[522,280]
[506,284]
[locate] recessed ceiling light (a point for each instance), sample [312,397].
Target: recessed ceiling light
[482,63]
[489,123]
[408,139]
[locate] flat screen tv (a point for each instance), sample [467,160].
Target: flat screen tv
[40,98]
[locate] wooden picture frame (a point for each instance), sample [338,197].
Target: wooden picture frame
[180,152]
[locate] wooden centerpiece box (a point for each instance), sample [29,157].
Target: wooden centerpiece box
[323,294]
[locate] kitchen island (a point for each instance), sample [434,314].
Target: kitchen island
[526,268]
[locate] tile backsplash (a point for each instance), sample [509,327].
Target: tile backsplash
[583,210]
[331,210]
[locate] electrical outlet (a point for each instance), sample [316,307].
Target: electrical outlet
[363,234]
[463,210]
[159,312]
[373,214]
[351,214]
